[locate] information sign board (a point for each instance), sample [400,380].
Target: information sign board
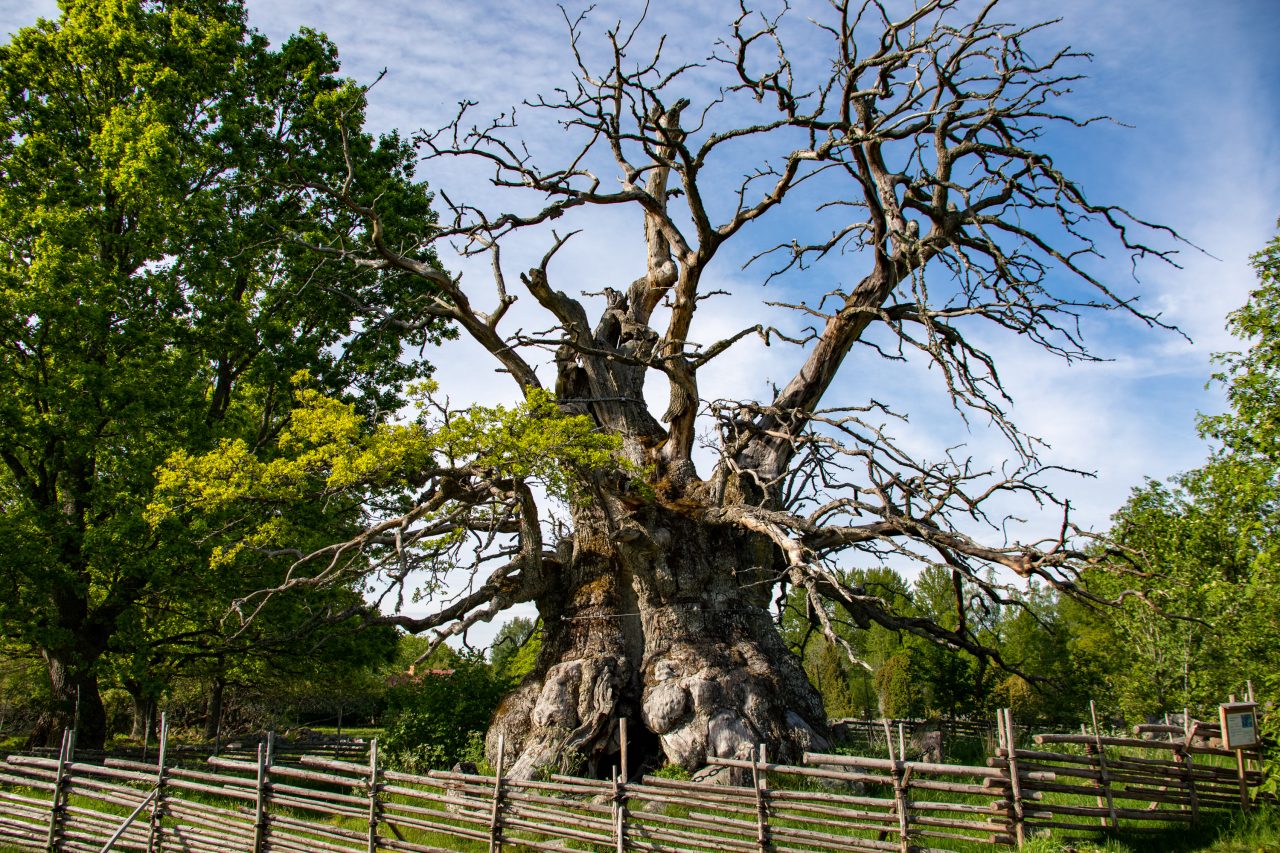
[1239,724]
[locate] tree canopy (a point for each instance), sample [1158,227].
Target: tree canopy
[155,162]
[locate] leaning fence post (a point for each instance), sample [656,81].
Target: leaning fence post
[157,805]
[56,807]
[495,834]
[1104,776]
[1015,783]
[374,811]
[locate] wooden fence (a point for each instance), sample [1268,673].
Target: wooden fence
[298,804]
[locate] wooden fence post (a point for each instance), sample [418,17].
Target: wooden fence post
[374,810]
[1104,776]
[620,791]
[57,807]
[902,801]
[1187,760]
[760,782]
[1015,782]
[260,798]
[495,833]
[157,805]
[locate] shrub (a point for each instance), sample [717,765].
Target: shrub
[432,720]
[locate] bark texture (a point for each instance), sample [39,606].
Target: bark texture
[76,702]
[666,623]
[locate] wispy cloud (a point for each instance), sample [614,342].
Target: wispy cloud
[1200,83]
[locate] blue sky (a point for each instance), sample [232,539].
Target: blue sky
[1198,82]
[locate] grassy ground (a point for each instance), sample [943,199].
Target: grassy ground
[1256,832]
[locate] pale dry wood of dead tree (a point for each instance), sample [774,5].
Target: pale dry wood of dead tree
[916,143]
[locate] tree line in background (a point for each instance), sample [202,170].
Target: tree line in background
[163,168]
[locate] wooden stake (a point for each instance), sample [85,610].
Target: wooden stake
[902,804]
[157,805]
[1244,786]
[1104,777]
[56,809]
[260,800]
[495,837]
[888,739]
[622,742]
[760,782]
[373,796]
[620,789]
[1014,781]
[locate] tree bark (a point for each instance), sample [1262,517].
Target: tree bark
[76,703]
[663,620]
[213,711]
[144,712]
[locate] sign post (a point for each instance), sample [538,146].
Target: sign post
[1239,732]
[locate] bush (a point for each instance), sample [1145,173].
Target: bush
[433,720]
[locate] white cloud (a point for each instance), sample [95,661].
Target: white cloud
[1198,82]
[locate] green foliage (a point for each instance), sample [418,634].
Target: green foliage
[908,676]
[159,164]
[673,771]
[1206,542]
[515,648]
[328,455]
[433,719]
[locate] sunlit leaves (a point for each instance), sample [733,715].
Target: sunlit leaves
[329,451]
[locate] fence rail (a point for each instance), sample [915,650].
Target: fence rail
[272,801]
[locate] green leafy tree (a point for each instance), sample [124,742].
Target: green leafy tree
[515,648]
[1210,538]
[160,171]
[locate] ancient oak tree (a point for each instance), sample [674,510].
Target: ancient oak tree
[900,149]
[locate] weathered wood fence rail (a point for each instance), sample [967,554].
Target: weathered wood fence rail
[300,804]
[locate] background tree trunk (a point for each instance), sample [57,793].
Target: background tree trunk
[71,684]
[213,711]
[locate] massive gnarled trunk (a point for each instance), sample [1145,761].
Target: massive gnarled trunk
[664,622]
